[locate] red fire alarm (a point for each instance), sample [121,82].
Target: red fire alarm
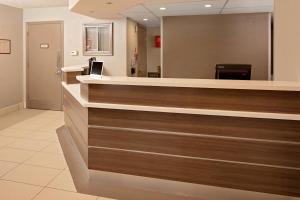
[157,41]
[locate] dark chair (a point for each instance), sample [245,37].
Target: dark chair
[233,71]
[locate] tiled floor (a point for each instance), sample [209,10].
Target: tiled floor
[32,164]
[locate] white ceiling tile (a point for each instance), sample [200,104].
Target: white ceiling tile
[190,12]
[136,9]
[141,17]
[193,7]
[150,23]
[248,10]
[249,3]
[138,13]
[151,9]
[248,6]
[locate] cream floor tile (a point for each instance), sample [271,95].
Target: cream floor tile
[51,131]
[6,140]
[54,194]
[26,126]
[56,140]
[6,167]
[53,119]
[28,144]
[17,191]
[43,136]
[54,148]
[15,133]
[15,155]
[58,123]
[56,161]
[49,128]
[63,181]
[16,117]
[103,198]
[39,118]
[32,175]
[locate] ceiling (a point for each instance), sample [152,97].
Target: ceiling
[34,3]
[152,12]
[150,9]
[138,10]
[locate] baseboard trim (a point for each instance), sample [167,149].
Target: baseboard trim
[12,108]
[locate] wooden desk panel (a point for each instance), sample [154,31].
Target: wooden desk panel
[76,120]
[243,153]
[70,77]
[202,98]
[268,129]
[197,145]
[190,142]
[223,174]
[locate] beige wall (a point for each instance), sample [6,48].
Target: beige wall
[153,59]
[11,65]
[114,65]
[287,40]
[193,45]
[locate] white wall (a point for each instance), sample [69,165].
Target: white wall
[114,65]
[287,40]
[153,53]
[11,64]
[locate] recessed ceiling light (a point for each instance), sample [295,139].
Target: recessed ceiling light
[145,19]
[207,5]
[163,8]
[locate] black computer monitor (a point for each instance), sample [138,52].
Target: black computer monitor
[233,71]
[97,69]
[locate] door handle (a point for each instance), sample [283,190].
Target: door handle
[58,63]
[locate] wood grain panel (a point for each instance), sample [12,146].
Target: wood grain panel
[76,135]
[84,91]
[224,174]
[76,120]
[192,145]
[281,130]
[221,99]
[78,114]
[70,77]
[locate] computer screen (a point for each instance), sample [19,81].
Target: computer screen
[97,68]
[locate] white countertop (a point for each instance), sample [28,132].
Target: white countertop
[193,83]
[74,90]
[75,68]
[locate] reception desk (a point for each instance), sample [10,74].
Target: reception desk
[69,73]
[235,134]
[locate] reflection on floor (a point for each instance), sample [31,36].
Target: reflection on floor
[33,166]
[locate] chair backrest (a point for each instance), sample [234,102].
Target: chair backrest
[233,71]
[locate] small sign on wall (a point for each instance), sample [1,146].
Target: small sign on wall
[44,46]
[5,46]
[157,41]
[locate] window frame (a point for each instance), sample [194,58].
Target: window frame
[86,52]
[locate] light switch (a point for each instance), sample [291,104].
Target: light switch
[74,53]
